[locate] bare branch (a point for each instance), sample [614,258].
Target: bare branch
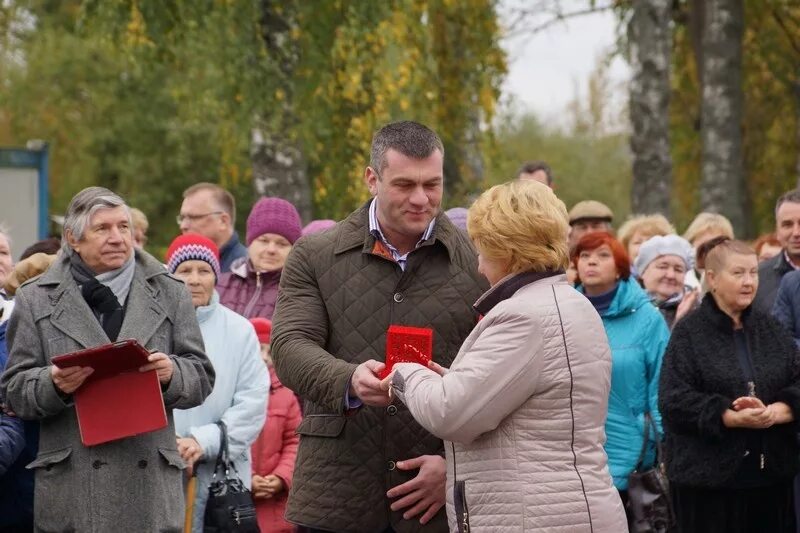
[516,31]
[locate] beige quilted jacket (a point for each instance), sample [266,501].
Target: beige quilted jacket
[522,411]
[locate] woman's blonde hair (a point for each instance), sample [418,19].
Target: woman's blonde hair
[705,222]
[523,223]
[650,225]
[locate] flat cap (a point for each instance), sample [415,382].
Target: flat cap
[590,209]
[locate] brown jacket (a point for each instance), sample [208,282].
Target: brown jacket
[336,301]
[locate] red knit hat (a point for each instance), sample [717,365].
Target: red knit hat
[263,329]
[192,246]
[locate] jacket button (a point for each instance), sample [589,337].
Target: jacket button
[391,465]
[97,464]
[398,297]
[142,464]
[391,410]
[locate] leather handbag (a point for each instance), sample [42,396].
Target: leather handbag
[649,503]
[230,505]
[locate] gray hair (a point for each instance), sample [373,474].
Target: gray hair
[83,205]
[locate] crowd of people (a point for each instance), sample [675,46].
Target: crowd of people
[566,358]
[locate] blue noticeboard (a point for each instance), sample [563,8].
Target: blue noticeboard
[24,195]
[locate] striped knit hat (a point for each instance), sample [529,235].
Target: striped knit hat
[192,246]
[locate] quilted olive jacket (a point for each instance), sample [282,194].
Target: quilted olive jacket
[335,304]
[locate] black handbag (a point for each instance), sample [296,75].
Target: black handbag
[230,505]
[649,503]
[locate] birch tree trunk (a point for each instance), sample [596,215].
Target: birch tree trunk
[279,168]
[723,188]
[651,41]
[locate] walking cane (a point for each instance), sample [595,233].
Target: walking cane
[191,491]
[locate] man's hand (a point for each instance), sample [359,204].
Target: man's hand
[162,364]
[366,385]
[190,451]
[425,494]
[67,380]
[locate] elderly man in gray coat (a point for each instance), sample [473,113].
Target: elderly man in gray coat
[99,290]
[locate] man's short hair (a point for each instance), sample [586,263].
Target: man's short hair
[534,166]
[411,139]
[792,196]
[223,198]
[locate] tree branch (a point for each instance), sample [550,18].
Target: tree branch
[515,31]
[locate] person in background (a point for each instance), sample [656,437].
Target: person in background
[638,336]
[458,216]
[787,230]
[663,262]
[704,227]
[588,216]
[100,289]
[318,226]
[729,396]
[529,385]
[536,171]
[251,287]
[239,398]
[49,246]
[6,261]
[767,246]
[275,449]
[210,210]
[639,228]
[140,226]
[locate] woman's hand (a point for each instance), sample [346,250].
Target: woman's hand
[439,369]
[748,417]
[190,451]
[747,402]
[687,304]
[780,412]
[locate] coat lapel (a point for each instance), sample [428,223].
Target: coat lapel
[143,313]
[72,316]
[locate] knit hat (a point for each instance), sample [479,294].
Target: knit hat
[192,247]
[458,216]
[273,215]
[655,247]
[588,210]
[263,329]
[318,226]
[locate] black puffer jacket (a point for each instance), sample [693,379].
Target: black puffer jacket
[701,377]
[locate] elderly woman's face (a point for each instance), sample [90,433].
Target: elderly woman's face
[199,279]
[735,285]
[597,270]
[6,263]
[664,276]
[107,242]
[269,252]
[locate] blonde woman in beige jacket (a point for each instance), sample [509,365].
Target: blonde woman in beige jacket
[523,405]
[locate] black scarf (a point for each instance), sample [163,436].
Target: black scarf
[101,299]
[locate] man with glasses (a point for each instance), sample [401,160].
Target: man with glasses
[210,210]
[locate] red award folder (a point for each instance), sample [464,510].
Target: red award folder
[116,400]
[405,344]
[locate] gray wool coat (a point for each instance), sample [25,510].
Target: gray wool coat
[132,484]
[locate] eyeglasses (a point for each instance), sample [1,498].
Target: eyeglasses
[193,218]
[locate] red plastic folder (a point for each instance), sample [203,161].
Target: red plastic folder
[116,400]
[405,344]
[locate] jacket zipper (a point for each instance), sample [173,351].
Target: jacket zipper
[252,303]
[462,522]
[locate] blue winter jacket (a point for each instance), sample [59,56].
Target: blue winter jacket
[787,303]
[638,336]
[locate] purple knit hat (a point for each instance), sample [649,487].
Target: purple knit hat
[318,226]
[273,215]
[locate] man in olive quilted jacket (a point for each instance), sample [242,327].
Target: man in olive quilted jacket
[364,465]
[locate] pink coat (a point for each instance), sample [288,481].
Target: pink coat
[274,452]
